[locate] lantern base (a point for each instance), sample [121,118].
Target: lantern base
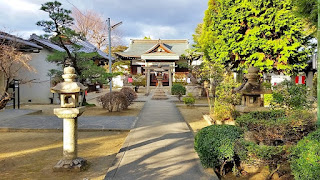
[75,165]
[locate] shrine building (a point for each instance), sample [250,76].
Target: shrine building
[148,56]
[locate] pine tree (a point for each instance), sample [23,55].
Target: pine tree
[59,27]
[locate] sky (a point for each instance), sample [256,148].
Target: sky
[165,19]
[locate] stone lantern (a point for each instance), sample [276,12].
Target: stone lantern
[252,93]
[159,76]
[70,110]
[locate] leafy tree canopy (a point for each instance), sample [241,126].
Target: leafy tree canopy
[262,33]
[307,9]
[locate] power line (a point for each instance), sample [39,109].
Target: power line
[81,12]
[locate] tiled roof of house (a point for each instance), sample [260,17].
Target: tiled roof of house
[138,47]
[86,46]
[24,43]
[45,42]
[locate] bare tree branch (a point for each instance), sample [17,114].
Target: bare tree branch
[94,27]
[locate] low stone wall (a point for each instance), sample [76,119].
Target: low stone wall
[194,90]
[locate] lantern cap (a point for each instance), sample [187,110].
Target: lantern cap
[69,85]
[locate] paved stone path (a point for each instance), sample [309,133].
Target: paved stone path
[160,147]
[53,122]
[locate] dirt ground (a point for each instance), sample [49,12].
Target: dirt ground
[193,114]
[31,155]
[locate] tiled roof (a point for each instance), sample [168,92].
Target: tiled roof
[138,47]
[12,38]
[45,42]
[86,46]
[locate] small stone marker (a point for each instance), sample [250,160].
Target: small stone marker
[70,111]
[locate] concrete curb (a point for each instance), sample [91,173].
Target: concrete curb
[195,105]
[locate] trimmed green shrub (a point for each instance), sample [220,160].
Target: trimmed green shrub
[215,145]
[290,96]
[189,100]
[305,157]
[271,155]
[276,127]
[178,89]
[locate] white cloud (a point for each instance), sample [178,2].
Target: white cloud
[20,6]
[157,31]
[26,34]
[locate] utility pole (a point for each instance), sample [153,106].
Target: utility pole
[110,57]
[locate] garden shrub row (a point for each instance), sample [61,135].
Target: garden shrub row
[277,126]
[274,133]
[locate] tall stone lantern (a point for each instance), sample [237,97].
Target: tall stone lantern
[70,110]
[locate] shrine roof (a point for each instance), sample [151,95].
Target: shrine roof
[139,47]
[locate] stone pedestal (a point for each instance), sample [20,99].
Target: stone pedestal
[70,160]
[159,94]
[159,79]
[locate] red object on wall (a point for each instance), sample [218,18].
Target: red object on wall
[300,79]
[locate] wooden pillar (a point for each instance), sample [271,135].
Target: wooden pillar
[148,81]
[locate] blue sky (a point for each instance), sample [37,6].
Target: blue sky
[165,19]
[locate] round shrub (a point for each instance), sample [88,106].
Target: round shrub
[189,100]
[305,157]
[215,144]
[178,89]
[114,101]
[129,93]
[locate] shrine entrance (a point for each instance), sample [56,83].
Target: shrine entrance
[154,81]
[152,71]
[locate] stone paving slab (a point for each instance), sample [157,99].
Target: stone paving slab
[53,122]
[13,113]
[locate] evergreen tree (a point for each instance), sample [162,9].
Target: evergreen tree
[59,27]
[262,33]
[307,9]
